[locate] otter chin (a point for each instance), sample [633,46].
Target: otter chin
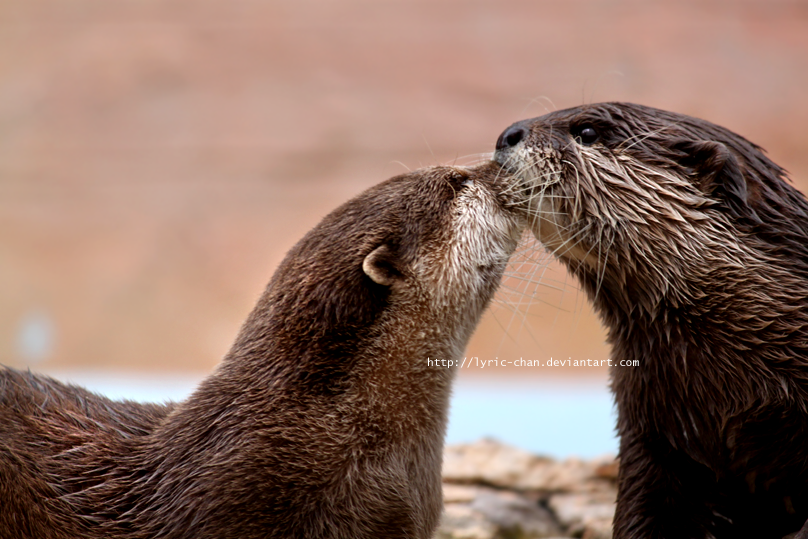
[693,248]
[324,420]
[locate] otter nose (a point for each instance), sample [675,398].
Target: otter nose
[511,137]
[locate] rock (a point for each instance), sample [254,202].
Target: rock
[459,493]
[573,508]
[588,515]
[495,491]
[462,522]
[477,511]
[516,516]
[492,463]
[608,470]
[488,462]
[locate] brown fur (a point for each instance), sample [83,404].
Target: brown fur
[323,420]
[694,250]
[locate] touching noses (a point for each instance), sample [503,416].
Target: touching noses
[511,137]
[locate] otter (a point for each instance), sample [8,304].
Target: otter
[323,420]
[693,248]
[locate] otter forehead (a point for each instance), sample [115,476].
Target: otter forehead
[656,136]
[622,119]
[410,211]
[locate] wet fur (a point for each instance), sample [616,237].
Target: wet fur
[693,247]
[323,420]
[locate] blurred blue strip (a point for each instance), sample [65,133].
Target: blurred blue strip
[539,415]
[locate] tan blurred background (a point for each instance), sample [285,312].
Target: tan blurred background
[158,158]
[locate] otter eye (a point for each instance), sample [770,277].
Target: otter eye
[586,134]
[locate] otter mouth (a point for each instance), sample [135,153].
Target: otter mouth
[533,183]
[506,160]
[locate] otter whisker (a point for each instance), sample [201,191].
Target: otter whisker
[530,280]
[602,262]
[641,137]
[537,100]
[474,158]
[519,312]
[402,164]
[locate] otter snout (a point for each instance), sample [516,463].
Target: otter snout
[509,139]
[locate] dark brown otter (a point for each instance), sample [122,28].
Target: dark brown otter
[694,250]
[323,421]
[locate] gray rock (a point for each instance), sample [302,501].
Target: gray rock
[588,515]
[515,516]
[481,512]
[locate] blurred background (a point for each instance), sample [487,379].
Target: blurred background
[158,158]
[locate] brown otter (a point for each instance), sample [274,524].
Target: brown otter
[693,248]
[324,420]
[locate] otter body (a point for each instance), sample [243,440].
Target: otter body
[693,249]
[324,419]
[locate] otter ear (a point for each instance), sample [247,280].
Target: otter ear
[717,169]
[381,265]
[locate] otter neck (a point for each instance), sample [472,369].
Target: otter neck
[691,335]
[378,377]
[373,410]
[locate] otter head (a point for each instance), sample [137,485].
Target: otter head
[401,273]
[643,204]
